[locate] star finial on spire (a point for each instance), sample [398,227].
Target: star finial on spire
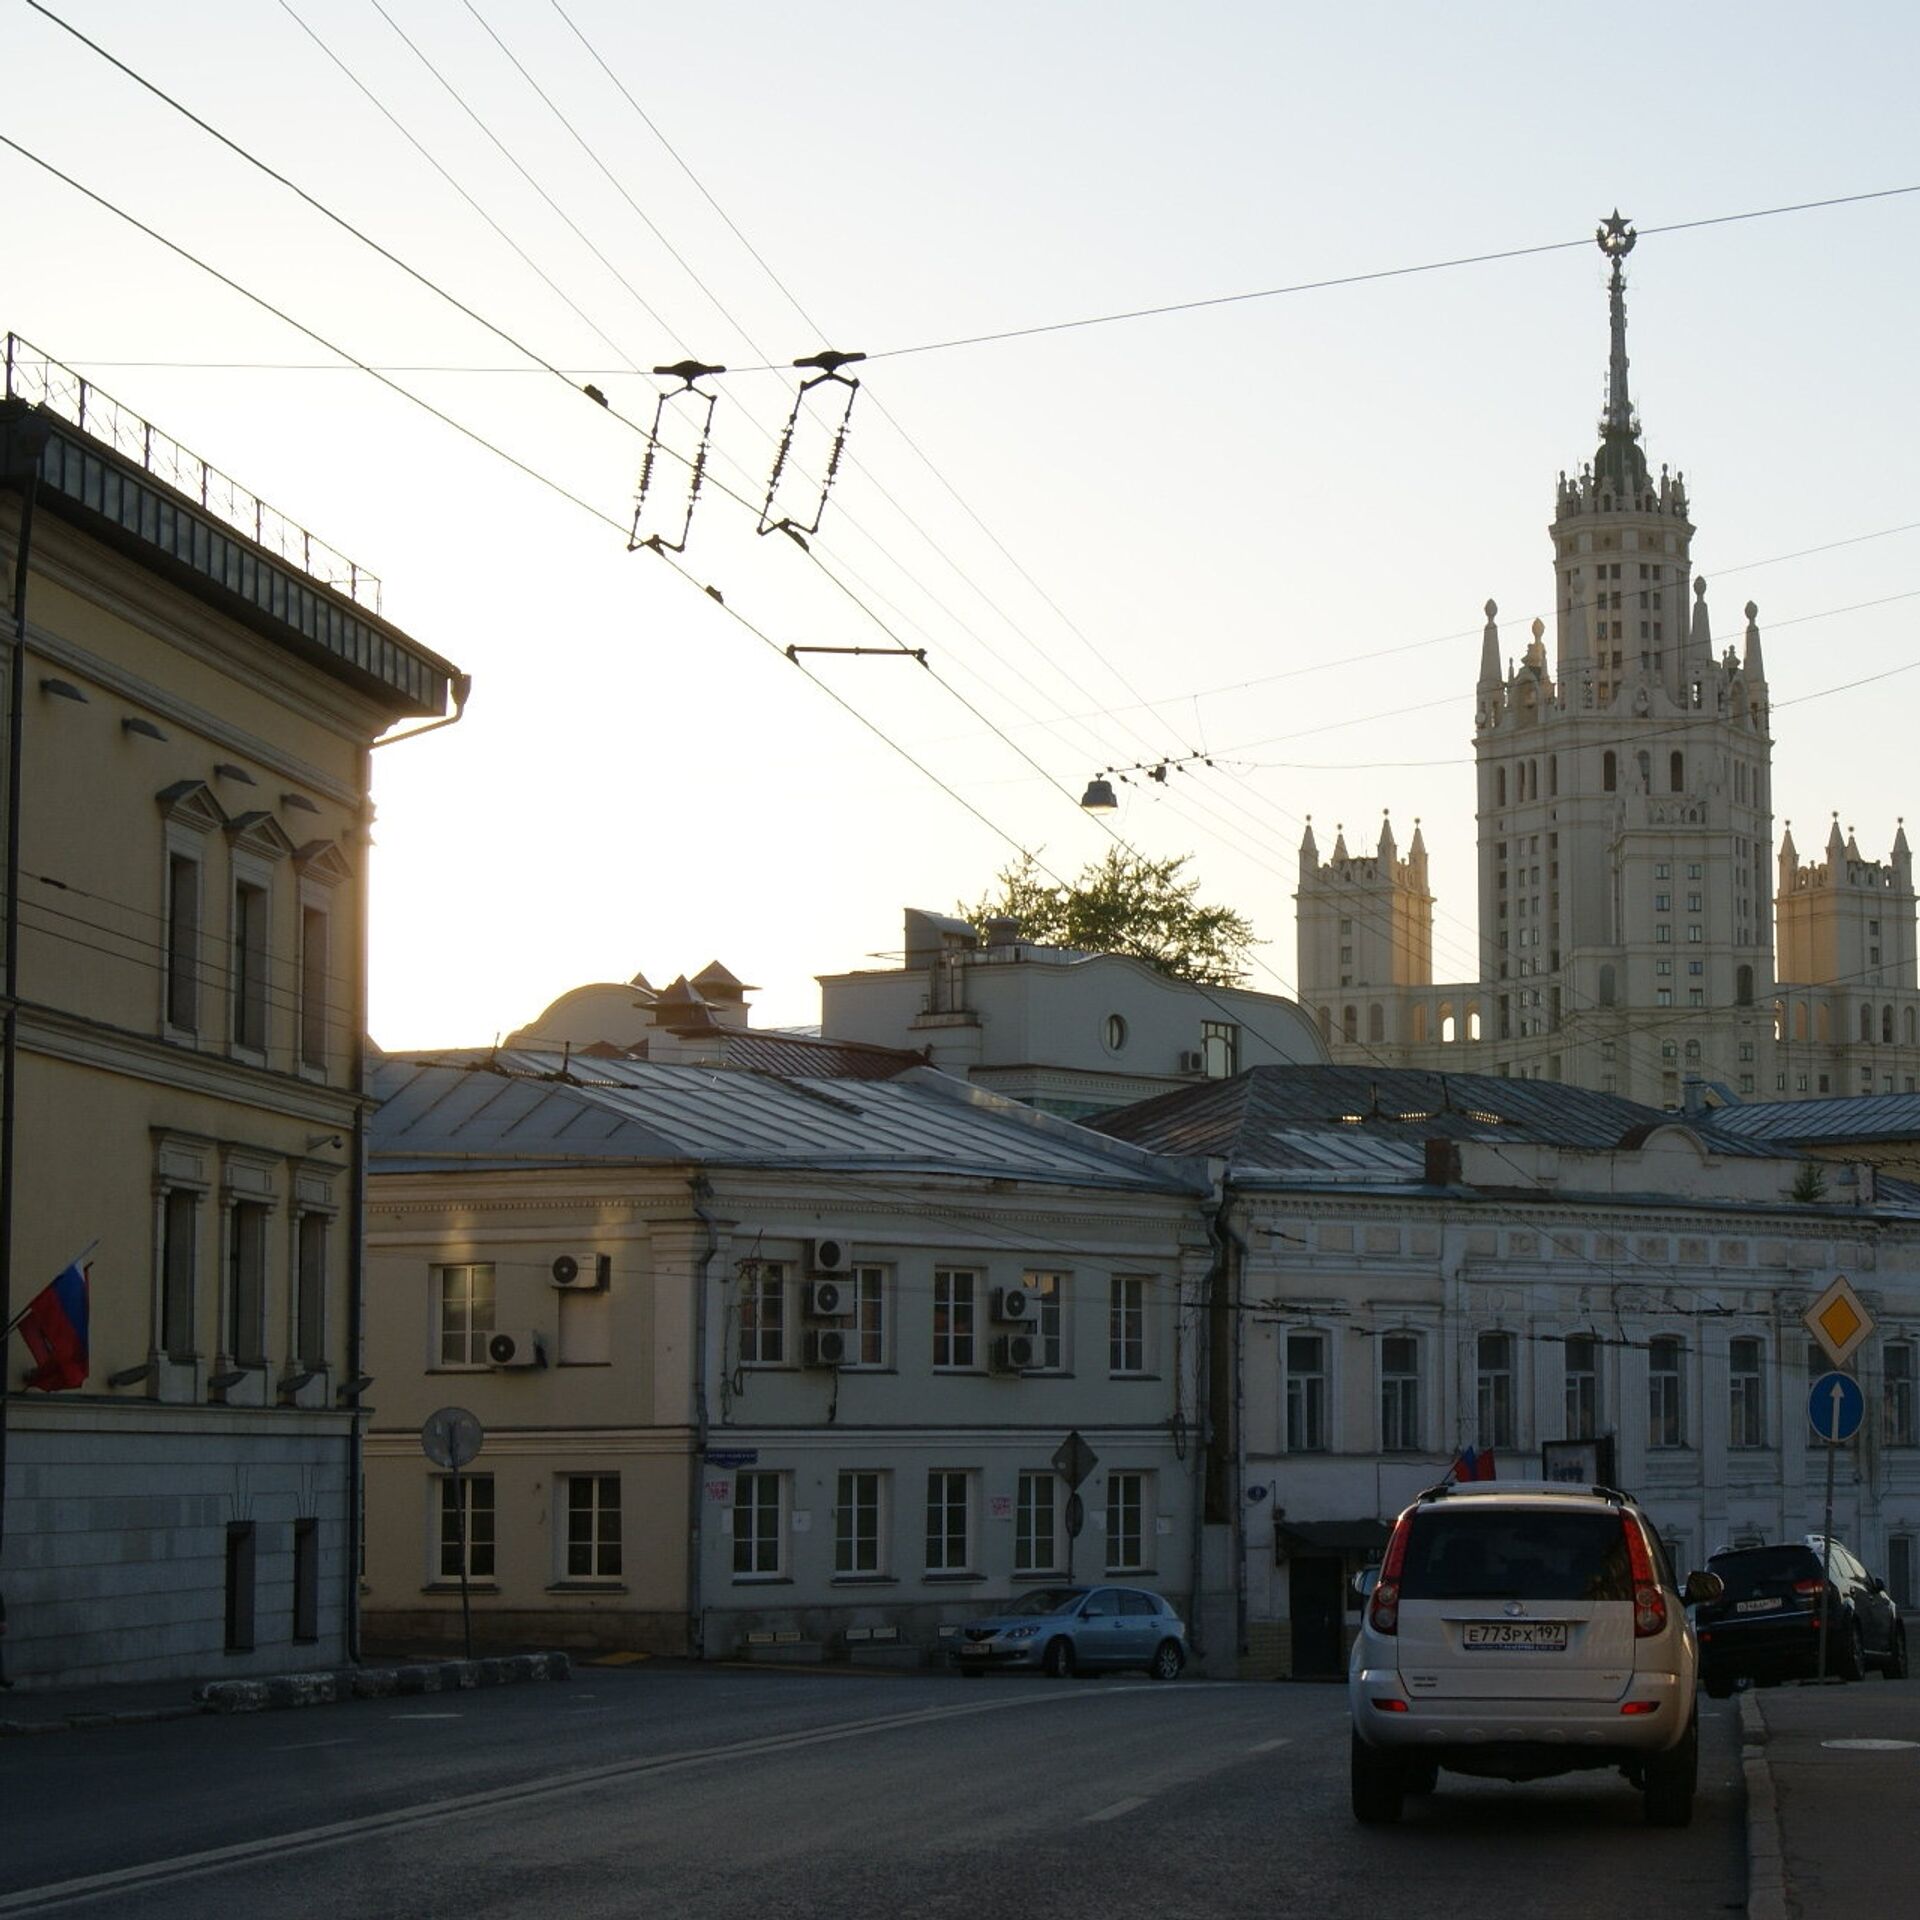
[1615,236]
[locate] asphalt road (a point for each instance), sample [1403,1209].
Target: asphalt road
[666,1791]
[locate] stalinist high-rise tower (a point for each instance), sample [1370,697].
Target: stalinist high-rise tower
[1625,827]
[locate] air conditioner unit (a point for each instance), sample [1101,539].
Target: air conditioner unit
[828,1347]
[590,1275]
[522,1349]
[1015,1306]
[1015,1353]
[829,1254]
[1193,1063]
[827,1299]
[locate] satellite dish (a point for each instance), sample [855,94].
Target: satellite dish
[451,1437]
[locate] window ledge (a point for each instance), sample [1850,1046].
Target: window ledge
[866,1580]
[763,1579]
[1149,1377]
[614,1585]
[453,1586]
[952,1579]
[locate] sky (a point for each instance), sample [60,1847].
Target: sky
[1256,533]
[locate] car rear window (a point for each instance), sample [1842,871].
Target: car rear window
[1516,1553]
[1758,1572]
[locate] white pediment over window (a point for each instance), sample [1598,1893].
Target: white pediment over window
[322,861]
[259,833]
[190,803]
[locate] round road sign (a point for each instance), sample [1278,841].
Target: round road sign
[1836,1406]
[451,1437]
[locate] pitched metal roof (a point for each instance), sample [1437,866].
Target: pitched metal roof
[1839,1118]
[513,1109]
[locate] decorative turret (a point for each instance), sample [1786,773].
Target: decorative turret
[1902,855]
[1789,859]
[1697,659]
[1620,466]
[1309,852]
[1388,850]
[1417,855]
[1756,668]
[1490,674]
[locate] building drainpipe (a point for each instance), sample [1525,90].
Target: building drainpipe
[1236,1275]
[696,1505]
[1203,1432]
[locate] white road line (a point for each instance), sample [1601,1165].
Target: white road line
[1267,1746]
[307,1746]
[1116,1810]
[423,1716]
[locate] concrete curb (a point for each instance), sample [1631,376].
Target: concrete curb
[1766,1859]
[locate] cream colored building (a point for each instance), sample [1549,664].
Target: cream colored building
[769,1364]
[199,707]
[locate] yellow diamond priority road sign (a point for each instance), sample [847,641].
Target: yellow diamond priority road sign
[1839,1320]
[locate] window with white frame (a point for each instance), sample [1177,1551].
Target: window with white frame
[763,1314]
[1127,1324]
[593,1526]
[1580,1412]
[869,1294]
[179,1269]
[1897,1382]
[1036,1524]
[1666,1392]
[759,1529]
[955,1299]
[465,1521]
[1306,1392]
[859,1523]
[249,944]
[949,1520]
[183,940]
[1746,1393]
[310,1289]
[246,1327]
[1128,1521]
[1220,1048]
[1400,1393]
[315,984]
[462,1314]
[1493,1383]
[1049,1292]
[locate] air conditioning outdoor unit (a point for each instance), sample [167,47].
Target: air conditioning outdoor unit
[521,1349]
[827,1299]
[1015,1353]
[1193,1063]
[1015,1306]
[828,1347]
[829,1254]
[590,1275]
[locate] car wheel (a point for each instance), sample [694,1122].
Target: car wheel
[1057,1662]
[1423,1776]
[1670,1779]
[1851,1662]
[1896,1668]
[1379,1785]
[1167,1661]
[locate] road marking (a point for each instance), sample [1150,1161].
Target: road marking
[1267,1746]
[307,1746]
[125,1881]
[1871,1746]
[423,1716]
[1116,1810]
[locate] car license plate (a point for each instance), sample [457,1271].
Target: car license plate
[1757,1606]
[1517,1636]
[974,1650]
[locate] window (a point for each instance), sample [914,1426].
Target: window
[306,1579]
[179,1247]
[1663,903]
[240,1586]
[1220,1043]
[1115,1032]
[1494,1361]
[763,1314]
[1662,934]
[1036,1531]
[310,1297]
[857,1517]
[1896,1363]
[1693,869]
[249,966]
[1049,1291]
[1306,1392]
[246,1327]
[1666,1403]
[953,1296]
[759,1509]
[1400,1393]
[466,1519]
[1693,903]
[183,942]
[1663,870]
[463,1311]
[1693,934]
[1126,1325]
[869,1316]
[314,987]
[1746,1403]
[593,1526]
[949,1521]
[1126,1529]
[1581,1413]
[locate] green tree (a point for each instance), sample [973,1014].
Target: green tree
[1127,904]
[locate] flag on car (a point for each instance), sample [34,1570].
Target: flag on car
[1470,1463]
[54,1326]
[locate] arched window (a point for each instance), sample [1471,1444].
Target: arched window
[1906,1026]
[1376,1021]
[1866,1021]
[1500,787]
[1609,771]
[1646,771]
[1447,1034]
[1693,1053]
[1779,1019]
[1607,985]
[1473,1021]
[1349,1023]
[1677,772]
[1743,986]
[1886,1026]
[1533,779]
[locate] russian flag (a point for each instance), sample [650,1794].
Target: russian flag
[54,1326]
[1471,1464]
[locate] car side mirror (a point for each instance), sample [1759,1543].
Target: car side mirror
[1365,1581]
[1876,1583]
[1703,1588]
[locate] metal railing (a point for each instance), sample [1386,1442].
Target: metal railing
[40,380]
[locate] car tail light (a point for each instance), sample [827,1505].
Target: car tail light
[1809,1589]
[1649,1603]
[1641,1706]
[1383,1605]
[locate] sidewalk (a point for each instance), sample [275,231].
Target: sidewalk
[1839,1812]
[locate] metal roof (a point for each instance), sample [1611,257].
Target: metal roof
[519,1109]
[1839,1118]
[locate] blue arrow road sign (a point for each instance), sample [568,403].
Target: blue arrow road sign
[1836,1406]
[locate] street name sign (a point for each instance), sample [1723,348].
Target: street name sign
[1839,1320]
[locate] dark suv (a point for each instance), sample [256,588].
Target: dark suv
[1766,1626]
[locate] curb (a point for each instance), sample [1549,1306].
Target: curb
[1766,1860]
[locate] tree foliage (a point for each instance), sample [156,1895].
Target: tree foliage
[1127,904]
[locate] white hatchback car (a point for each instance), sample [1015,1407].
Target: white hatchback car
[1519,1629]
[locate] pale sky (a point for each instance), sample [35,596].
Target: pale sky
[1118,543]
